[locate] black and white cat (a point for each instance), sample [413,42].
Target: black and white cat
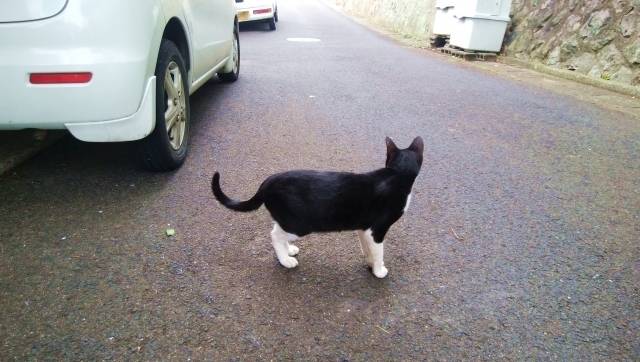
[303,202]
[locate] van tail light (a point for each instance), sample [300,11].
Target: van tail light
[60,78]
[262,11]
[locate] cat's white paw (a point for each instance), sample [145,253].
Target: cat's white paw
[380,271]
[293,250]
[289,262]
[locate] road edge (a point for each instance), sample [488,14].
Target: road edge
[571,75]
[623,89]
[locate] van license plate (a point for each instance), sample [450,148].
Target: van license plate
[243,16]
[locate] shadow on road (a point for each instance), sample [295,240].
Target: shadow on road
[255,26]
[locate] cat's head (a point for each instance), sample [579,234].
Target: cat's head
[406,161]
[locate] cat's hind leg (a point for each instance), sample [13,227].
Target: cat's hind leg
[364,247]
[376,251]
[284,251]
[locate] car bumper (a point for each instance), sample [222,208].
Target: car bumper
[91,112]
[246,15]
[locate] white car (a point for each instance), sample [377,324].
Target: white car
[258,11]
[116,70]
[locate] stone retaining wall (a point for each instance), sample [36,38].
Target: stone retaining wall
[410,18]
[600,38]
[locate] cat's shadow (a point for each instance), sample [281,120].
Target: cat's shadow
[330,266]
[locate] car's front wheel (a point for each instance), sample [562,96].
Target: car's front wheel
[233,75]
[165,149]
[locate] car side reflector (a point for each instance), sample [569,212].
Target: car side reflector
[60,78]
[262,11]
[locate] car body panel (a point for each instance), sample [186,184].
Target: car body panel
[210,42]
[23,10]
[80,39]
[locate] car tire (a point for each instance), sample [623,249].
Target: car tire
[272,23]
[165,149]
[233,75]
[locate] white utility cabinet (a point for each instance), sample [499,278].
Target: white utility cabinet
[444,20]
[483,8]
[480,24]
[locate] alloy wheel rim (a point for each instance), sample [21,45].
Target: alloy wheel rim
[175,115]
[236,58]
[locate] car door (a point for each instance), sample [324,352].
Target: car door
[210,23]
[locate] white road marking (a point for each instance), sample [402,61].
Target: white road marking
[304,40]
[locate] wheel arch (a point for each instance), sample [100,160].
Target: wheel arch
[175,31]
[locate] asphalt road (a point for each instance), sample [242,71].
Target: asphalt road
[521,241]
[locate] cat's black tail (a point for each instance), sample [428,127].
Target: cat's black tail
[243,206]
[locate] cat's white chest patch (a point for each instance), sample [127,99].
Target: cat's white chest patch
[406,206]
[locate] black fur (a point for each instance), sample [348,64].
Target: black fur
[303,202]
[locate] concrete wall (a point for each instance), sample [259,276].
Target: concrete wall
[411,18]
[599,38]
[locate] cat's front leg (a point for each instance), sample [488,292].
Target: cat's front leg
[376,254]
[377,251]
[280,240]
[293,250]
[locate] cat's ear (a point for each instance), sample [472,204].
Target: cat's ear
[417,145]
[392,149]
